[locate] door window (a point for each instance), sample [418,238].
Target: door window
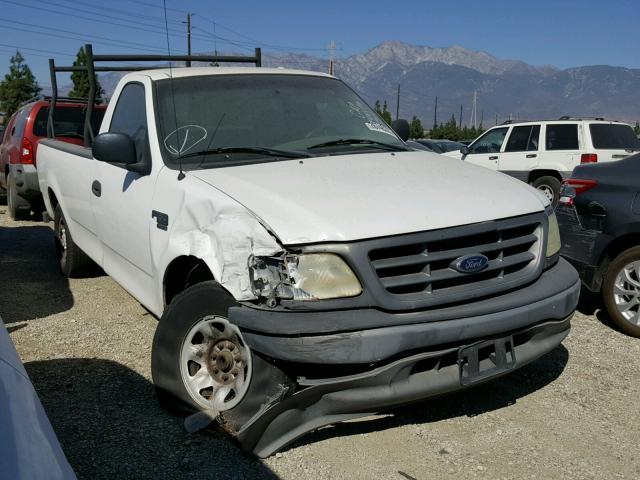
[562,136]
[490,142]
[523,139]
[130,117]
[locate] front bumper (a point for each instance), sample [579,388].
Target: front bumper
[403,358]
[404,381]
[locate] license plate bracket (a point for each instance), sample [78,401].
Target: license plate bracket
[486,359]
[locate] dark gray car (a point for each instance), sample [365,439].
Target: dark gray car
[599,218]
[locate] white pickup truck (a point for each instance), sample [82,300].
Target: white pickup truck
[305,265]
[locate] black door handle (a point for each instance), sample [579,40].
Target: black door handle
[532,155]
[96,188]
[493,158]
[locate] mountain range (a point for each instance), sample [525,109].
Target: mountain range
[505,88]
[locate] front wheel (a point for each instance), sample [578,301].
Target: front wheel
[199,360]
[550,186]
[621,291]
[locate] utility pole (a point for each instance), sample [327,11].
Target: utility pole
[398,104]
[188,62]
[473,119]
[435,114]
[332,49]
[460,116]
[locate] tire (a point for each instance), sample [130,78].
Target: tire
[550,186]
[197,305]
[615,283]
[74,263]
[18,207]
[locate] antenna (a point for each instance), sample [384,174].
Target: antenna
[173,98]
[215,45]
[332,49]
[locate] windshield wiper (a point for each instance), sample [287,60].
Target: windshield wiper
[357,141]
[271,152]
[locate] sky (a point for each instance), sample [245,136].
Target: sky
[563,33]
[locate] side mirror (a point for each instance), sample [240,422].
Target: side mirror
[401,127]
[464,150]
[115,148]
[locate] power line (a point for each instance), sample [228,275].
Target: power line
[147,4]
[101,21]
[115,11]
[83,36]
[157,31]
[37,50]
[254,41]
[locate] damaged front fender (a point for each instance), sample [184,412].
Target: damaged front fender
[207,224]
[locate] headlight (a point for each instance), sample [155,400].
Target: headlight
[319,276]
[553,237]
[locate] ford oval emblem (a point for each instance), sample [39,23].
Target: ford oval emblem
[470,263]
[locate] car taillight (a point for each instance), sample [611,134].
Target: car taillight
[573,187]
[588,158]
[26,151]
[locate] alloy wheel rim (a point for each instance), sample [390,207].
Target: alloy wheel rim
[547,190]
[215,364]
[626,292]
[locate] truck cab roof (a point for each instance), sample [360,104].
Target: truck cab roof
[180,72]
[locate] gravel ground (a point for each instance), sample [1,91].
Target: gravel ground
[575,413]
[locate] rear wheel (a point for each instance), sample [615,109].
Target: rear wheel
[200,361]
[73,261]
[621,291]
[550,186]
[18,207]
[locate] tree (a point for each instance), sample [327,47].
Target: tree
[18,86]
[378,108]
[386,114]
[415,128]
[81,79]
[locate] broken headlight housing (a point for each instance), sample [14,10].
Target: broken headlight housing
[308,276]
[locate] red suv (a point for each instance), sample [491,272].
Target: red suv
[18,175]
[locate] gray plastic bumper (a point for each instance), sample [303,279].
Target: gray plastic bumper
[26,180]
[404,381]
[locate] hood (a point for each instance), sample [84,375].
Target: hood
[352,197]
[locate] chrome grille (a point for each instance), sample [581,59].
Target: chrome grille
[420,266]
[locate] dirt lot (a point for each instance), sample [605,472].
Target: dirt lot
[86,344]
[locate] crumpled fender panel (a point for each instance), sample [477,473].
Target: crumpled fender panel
[206,223]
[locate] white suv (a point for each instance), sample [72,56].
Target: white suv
[544,153]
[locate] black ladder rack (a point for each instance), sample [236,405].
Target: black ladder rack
[91,70]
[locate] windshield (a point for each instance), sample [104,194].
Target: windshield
[613,136]
[249,118]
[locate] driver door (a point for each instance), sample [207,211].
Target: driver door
[122,199]
[485,151]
